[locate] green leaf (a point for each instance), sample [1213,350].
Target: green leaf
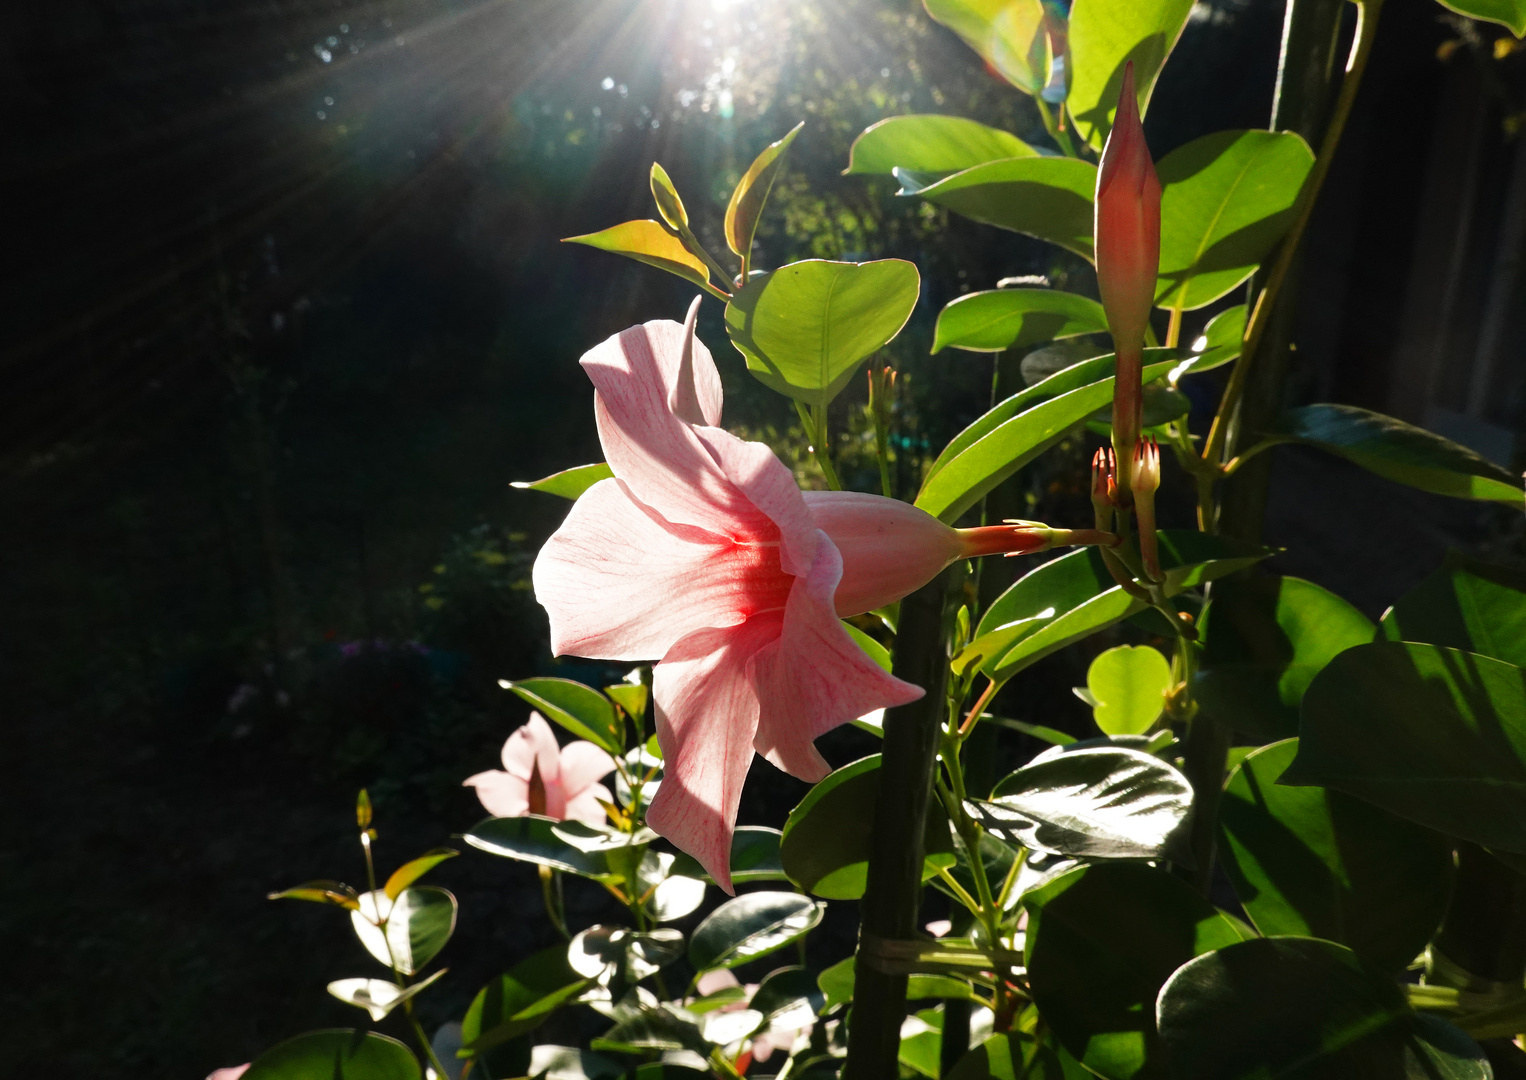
[1226,199]
[1508,13]
[1334,1018]
[321,892]
[1049,198]
[754,857]
[1093,802]
[1016,1056]
[1129,684]
[877,652]
[411,871]
[531,839]
[750,926]
[1435,1050]
[1434,735]
[788,997]
[1052,736]
[1399,451]
[1003,446]
[665,195]
[1219,344]
[1010,35]
[921,1043]
[1467,605]
[419,923]
[520,999]
[1264,640]
[1104,34]
[1101,941]
[669,895]
[805,327]
[632,697]
[653,1028]
[1000,319]
[751,192]
[1309,862]
[931,144]
[569,483]
[570,1063]
[377,996]
[580,709]
[826,842]
[341,1054]
[647,241]
[836,984]
[609,954]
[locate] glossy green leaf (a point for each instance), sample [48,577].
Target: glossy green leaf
[1104,35]
[520,999]
[1049,198]
[1435,1050]
[1434,735]
[877,652]
[836,984]
[1093,802]
[921,1043]
[609,954]
[569,483]
[342,1054]
[336,893]
[665,195]
[1264,640]
[647,241]
[1101,941]
[667,895]
[531,839]
[580,709]
[632,697]
[570,1063]
[1218,344]
[411,871]
[1010,35]
[1226,199]
[1467,605]
[754,857]
[1334,1019]
[788,997]
[931,144]
[1128,685]
[1016,1056]
[419,923]
[827,839]
[377,996]
[653,1028]
[806,327]
[751,192]
[1000,319]
[1400,452]
[750,926]
[1508,13]
[1000,444]
[1310,862]
[1052,736]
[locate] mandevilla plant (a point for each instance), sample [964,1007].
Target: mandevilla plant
[1295,845]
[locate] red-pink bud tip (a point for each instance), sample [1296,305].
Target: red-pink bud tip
[1127,225]
[1145,476]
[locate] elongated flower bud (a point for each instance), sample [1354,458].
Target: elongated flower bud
[1102,488]
[1128,260]
[1145,479]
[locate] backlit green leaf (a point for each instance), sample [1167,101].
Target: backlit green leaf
[419,923]
[931,144]
[751,192]
[1104,35]
[1219,343]
[1128,684]
[1000,319]
[569,483]
[336,1055]
[1045,197]
[411,871]
[647,241]
[1010,35]
[580,709]
[1467,605]
[1508,13]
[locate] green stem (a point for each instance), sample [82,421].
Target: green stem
[546,880]
[815,422]
[1060,136]
[418,1030]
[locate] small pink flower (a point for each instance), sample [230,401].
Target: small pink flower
[232,1072]
[542,778]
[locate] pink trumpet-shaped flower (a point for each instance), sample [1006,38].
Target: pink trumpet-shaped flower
[703,552]
[1127,237]
[543,778]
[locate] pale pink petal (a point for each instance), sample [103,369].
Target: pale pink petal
[621,584]
[232,1072]
[718,979]
[889,548]
[584,806]
[582,764]
[556,799]
[769,487]
[533,739]
[694,392]
[707,714]
[502,795]
[815,677]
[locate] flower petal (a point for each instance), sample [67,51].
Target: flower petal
[619,583]
[585,807]
[770,488]
[889,548]
[582,764]
[502,795]
[694,392]
[531,740]
[816,677]
[707,714]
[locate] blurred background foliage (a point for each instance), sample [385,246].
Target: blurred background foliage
[288,314]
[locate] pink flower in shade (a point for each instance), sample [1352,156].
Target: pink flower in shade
[701,551]
[232,1072]
[542,778]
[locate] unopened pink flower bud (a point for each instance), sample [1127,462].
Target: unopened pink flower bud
[1102,488]
[1145,479]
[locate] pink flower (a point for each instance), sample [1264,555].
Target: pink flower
[701,551]
[542,778]
[232,1072]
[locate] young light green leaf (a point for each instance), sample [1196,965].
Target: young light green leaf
[1508,13]
[1128,684]
[665,195]
[1106,34]
[569,483]
[321,892]
[806,327]
[1045,197]
[998,319]
[521,999]
[1226,199]
[647,241]
[419,923]
[1010,35]
[411,871]
[751,192]
[340,1054]
[931,144]
[580,709]
[377,996]
[751,926]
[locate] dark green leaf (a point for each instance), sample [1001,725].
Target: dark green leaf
[1264,640]
[1226,199]
[1434,735]
[789,997]
[1435,1050]
[377,996]
[341,1054]
[1016,1056]
[531,839]
[1101,941]
[1219,344]
[411,871]
[754,857]
[1047,734]
[1128,686]
[1000,319]
[1508,13]
[647,241]
[1467,605]
[836,984]
[608,954]
[659,1028]
[1049,198]
[750,926]
[570,1063]
[521,999]
[751,192]
[1010,35]
[1103,37]
[1401,452]
[931,144]
[419,923]
[569,483]
[1309,862]
[580,709]
[826,842]
[806,327]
